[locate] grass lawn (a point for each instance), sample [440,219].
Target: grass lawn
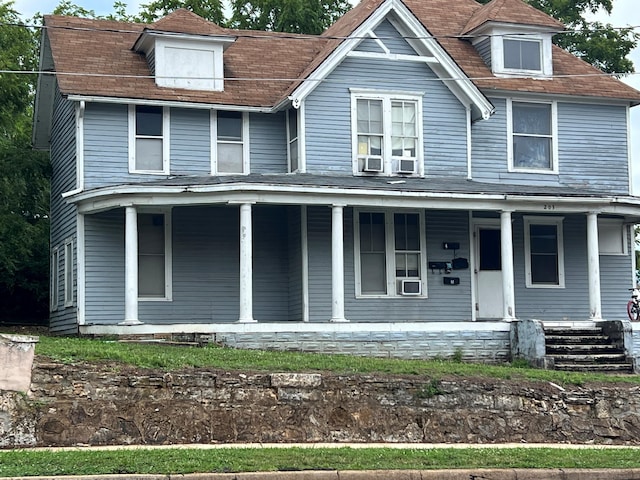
[165,461]
[174,461]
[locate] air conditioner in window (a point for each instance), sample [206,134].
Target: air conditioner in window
[407,166]
[373,164]
[411,287]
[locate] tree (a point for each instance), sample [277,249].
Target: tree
[293,16]
[599,44]
[211,10]
[24,179]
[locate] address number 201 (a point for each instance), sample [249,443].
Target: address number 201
[549,207]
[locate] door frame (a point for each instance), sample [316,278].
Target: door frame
[475,224]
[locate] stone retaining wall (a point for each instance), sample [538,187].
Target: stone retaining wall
[113,404]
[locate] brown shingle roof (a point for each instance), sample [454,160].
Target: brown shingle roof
[261,68]
[511,11]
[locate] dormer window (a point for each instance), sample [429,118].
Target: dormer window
[522,54]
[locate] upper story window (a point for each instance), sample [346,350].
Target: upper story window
[390,254]
[292,139]
[148,139]
[533,137]
[520,54]
[387,133]
[231,139]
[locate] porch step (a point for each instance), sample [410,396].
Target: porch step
[585,349]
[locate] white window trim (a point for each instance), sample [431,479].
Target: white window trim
[68,273]
[618,224]
[497,53]
[166,149]
[168,249]
[389,253]
[387,97]
[554,138]
[541,220]
[54,280]
[214,145]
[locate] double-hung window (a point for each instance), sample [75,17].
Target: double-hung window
[148,139]
[533,137]
[230,134]
[387,133]
[390,255]
[54,279]
[68,273]
[544,252]
[154,256]
[522,54]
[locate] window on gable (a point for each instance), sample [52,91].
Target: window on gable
[390,258]
[154,256]
[522,54]
[292,138]
[387,134]
[230,134]
[532,137]
[544,254]
[149,142]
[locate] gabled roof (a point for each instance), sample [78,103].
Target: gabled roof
[93,58]
[511,12]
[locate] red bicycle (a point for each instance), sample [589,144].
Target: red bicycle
[633,305]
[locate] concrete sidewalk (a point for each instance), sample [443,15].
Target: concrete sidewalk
[450,474]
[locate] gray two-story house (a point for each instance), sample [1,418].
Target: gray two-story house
[409,183]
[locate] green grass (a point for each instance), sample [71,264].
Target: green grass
[70,350]
[173,461]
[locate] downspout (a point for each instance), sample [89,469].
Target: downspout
[469,173]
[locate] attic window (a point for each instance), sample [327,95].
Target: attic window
[522,54]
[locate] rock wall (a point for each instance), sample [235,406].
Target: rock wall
[113,404]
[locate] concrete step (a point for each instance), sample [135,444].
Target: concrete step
[595,368]
[589,359]
[577,340]
[572,332]
[582,349]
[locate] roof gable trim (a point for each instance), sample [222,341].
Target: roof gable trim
[443,64]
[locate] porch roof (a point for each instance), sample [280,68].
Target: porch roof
[314,189]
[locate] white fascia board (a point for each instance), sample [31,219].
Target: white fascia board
[546,97]
[333,60]
[121,196]
[462,87]
[167,103]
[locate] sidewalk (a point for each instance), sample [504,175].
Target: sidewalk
[451,474]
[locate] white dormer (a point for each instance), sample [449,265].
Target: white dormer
[516,50]
[193,62]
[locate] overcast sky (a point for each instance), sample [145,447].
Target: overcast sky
[625,13]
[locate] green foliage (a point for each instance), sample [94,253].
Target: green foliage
[211,10]
[293,16]
[224,460]
[430,390]
[599,44]
[24,180]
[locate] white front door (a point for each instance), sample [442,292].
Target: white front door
[488,271]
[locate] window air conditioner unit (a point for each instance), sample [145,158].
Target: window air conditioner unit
[407,166]
[372,164]
[411,287]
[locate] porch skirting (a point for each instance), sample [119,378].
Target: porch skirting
[486,342]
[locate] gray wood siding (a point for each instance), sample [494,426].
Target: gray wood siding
[328,116]
[592,149]
[593,146]
[190,142]
[616,277]
[106,146]
[484,49]
[64,223]
[295,262]
[388,34]
[268,136]
[319,245]
[104,267]
[369,45]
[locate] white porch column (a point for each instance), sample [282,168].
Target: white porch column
[337,264]
[593,265]
[246,265]
[131,267]
[506,248]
